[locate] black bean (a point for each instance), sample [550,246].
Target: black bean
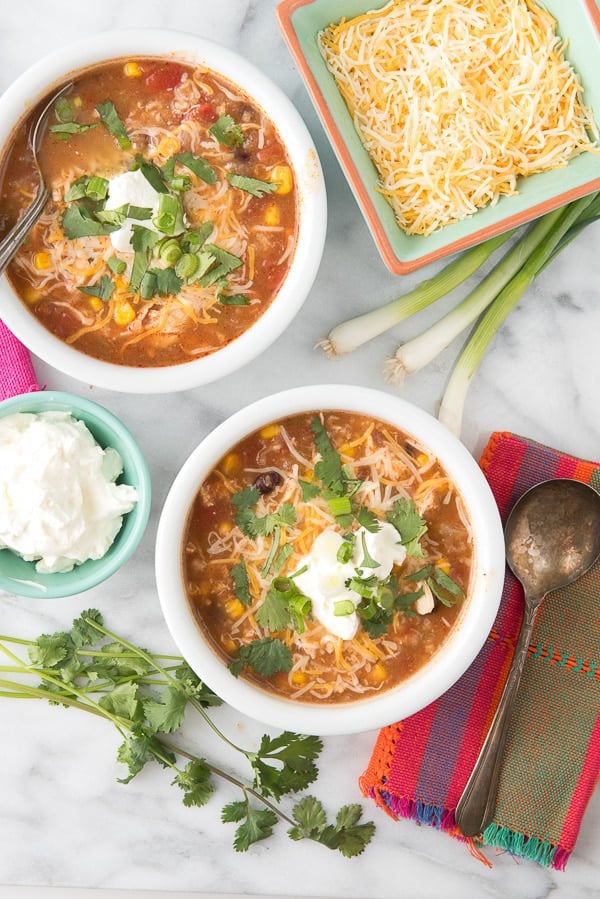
[268,481]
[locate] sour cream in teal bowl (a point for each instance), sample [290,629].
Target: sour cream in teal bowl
[75,491]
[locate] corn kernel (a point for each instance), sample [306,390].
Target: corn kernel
[168,146]
[269,432]
[32,295]
[377,674]
[225,528]
[42,261]
[443,564]
[96,303]
[298,678]
[229,646]
[422,459]
[204,588]
[234,608]
[283,175]
[272,216]
[232,463]
[77,102]
[124,313]
[132,70]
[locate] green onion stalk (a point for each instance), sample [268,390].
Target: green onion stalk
[566,223]
[421,350]
[355,332]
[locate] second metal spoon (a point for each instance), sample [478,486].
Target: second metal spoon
[552,537]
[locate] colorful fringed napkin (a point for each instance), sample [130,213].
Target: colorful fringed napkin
[419,766]
[16,369]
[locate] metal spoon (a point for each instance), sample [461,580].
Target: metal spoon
[552,537]
[11,242]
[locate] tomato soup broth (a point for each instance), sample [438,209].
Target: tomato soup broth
[300,508]
[200,267]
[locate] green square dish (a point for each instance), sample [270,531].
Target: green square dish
[578,22]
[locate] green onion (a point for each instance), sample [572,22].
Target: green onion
[187,265]
[169,216]
[169,251]
[340,505]
[452,405]
[343,607]
[419,351]
[97,188]
[352,334]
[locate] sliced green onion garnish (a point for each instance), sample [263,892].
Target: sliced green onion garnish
[187,265]
[116,265]
[169,215]
[343,607]
[97,188]
[169,251]
[340,505]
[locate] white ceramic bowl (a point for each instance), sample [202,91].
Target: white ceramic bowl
[54,70]
[440,672]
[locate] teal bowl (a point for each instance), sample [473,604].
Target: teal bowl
[20,577]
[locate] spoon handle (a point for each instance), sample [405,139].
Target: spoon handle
[478,801]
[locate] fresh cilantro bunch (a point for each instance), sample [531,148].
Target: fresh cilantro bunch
[146,697]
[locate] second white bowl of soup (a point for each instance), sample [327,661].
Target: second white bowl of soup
[187,214]
[330,559]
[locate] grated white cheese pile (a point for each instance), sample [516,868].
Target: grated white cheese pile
[454,99]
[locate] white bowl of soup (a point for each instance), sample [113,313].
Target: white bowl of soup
[330,559]
[187,214]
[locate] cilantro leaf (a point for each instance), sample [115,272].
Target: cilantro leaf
[273,613]
[138,748]
[110,117]
[294,756]
[445,581]
[309,490]
[153,175]
[409,524]
[195,164]
[253,186]
[65,129]
[103,289]
[241,587]
[122,701]
[368,520]
[346,835]
[329,467]
[164,715]
[257,823]
[167,281]
[233,299]
[50,649]
[266,656]
[195,782]
[83,632]
[195,688]
[78,221]
[226,132]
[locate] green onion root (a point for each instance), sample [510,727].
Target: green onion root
[421,350]
[355,332]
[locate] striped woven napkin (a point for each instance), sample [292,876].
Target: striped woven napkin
[419,766]
[16,369]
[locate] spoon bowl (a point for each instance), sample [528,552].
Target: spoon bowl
[552,535]
[552,538]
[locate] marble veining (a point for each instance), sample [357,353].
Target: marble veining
[64,819]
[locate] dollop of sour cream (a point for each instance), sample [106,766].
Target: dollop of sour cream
[132,189]
[59,503]
[324,578]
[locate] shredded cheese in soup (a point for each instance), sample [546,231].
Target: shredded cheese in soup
[265,515]
[455,100]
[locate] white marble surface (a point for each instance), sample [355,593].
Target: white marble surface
[64,820]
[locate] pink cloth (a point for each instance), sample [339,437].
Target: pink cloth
[16,369]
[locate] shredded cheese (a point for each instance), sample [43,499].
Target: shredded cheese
[455,99]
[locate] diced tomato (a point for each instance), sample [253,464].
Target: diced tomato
[269,154]
[164,76]
[202,112]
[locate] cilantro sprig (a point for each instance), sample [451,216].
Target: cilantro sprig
[146,696]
